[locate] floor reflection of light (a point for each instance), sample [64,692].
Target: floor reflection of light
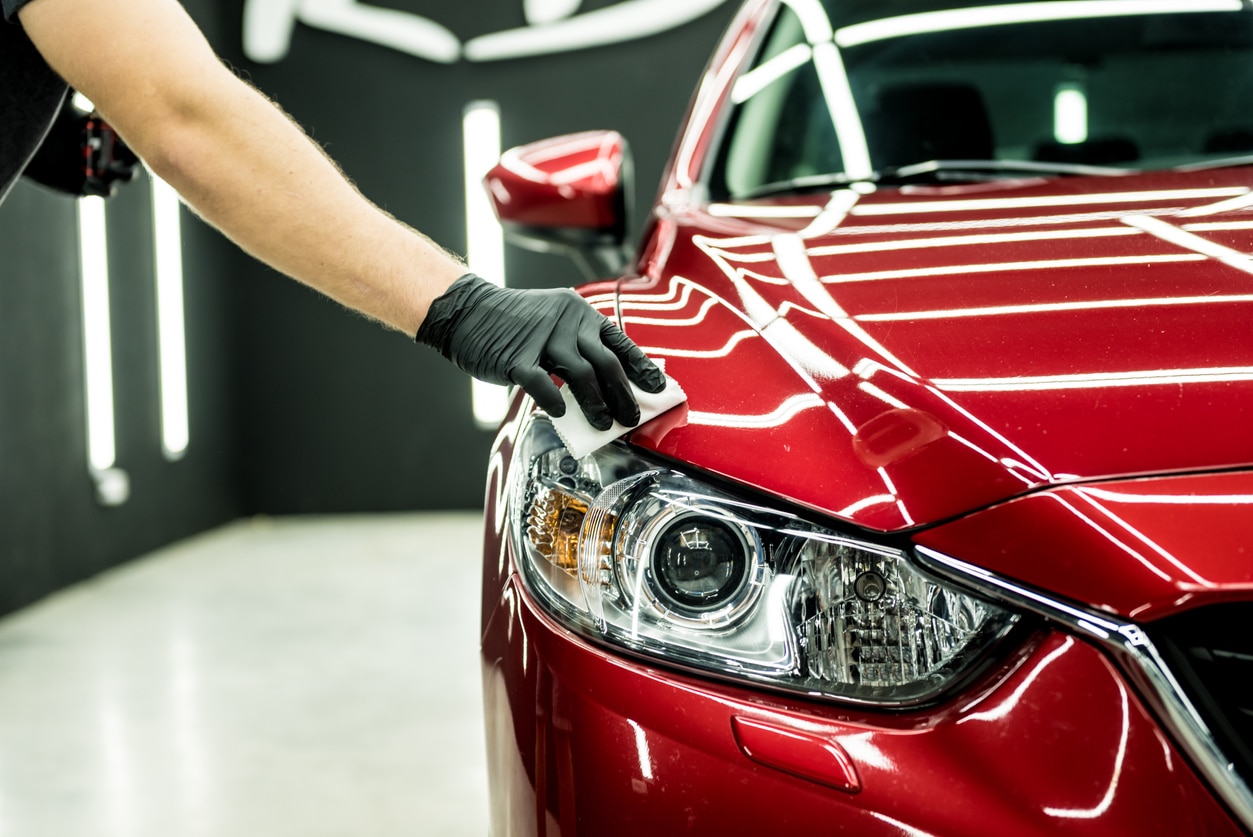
[119,773]
[189,740]
[1103,805]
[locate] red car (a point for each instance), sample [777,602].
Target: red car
[954,534]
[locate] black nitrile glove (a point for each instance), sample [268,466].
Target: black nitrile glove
[512,336]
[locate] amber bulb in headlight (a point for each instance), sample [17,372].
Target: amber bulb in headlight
[553,522]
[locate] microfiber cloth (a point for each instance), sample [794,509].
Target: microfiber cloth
[580,438]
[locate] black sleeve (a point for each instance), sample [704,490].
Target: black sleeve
[10,7]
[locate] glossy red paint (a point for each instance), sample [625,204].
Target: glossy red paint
[1043,377]
[583,742]
[569,182]
[1141,549]
[1036,333]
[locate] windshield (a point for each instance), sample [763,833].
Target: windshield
[846,90]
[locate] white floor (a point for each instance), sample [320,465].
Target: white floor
[308,676]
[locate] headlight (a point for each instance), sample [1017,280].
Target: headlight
[651,560]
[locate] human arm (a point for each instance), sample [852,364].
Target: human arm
[241,164]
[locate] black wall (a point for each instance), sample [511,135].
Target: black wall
[297,406]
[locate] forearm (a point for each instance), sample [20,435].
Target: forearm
[236,158]
[244,167]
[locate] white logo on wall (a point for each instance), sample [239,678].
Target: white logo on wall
[552,26]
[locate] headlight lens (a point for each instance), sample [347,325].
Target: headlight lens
[662,564]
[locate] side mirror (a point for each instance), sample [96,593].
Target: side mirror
[568,194]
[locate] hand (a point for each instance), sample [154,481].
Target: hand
[512,336]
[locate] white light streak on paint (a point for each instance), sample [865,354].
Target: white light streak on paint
[775,418]
[695,319]
[1189,241]
[968,240]
[984,204]
[794,262]
[1153,377]
[874,392]
[485,243]
[1005,706]
[868,502]
[1169,499]
[678,297]
[759,78]
[722,351]
[1070,114]
[971,18]
[1044,264]
[1134,534]
[97,339]
[833,214]
[1232,205]
[1217,226]
[1054,307]
[1120,758]
[641,746]
[171,333]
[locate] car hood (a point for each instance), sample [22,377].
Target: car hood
[903,357]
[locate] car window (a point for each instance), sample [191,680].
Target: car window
[836,92]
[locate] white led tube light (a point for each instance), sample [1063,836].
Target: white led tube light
[485,244]
[97,340]
[171,338]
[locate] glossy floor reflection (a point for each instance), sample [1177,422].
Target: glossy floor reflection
[305,676]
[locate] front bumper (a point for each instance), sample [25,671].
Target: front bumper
[585,742]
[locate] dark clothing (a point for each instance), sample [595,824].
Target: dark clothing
[30,96]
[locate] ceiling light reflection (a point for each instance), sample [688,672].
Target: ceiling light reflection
[1054,307]
[1150,377]
[954,19]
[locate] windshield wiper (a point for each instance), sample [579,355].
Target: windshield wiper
[931,170]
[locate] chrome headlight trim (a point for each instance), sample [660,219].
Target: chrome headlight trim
[1139,659]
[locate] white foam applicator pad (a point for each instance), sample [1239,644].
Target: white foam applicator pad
[580,438]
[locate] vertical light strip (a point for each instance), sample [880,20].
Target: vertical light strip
[97,340]
[171,340]
[1070,114]
[485,243]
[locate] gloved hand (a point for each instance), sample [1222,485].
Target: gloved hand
[513,336]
